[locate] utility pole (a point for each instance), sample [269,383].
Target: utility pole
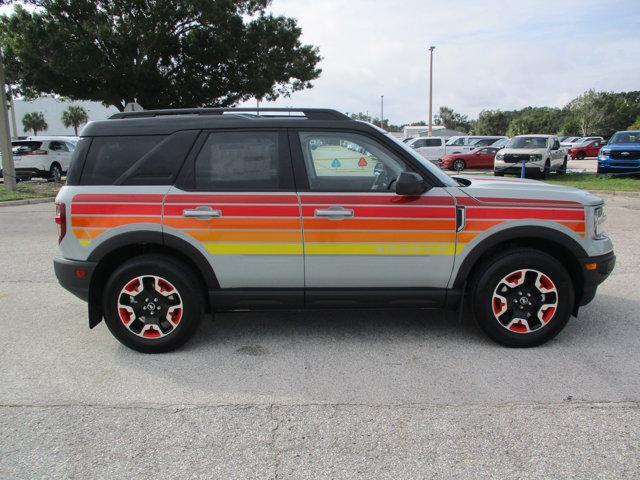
[431,49]
[8,170]
[381,111]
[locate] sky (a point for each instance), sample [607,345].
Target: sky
[490,54]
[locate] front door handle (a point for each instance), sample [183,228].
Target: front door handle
[334,212]
[202,212]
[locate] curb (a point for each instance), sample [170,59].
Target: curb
[28,201]
[616,193]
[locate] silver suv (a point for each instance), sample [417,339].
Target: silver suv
[170,214]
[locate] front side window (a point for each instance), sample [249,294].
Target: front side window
[349,162]
[245,161]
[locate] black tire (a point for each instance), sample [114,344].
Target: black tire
[563,169]
[459,165]
[55,173]
[189,291]
[496,174]
[581,156]
[491,275]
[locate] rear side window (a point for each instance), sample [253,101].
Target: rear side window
[25,147]
[77,161]
[433,142]
[110,157]
[245,161]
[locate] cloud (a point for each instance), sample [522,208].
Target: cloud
[489,54]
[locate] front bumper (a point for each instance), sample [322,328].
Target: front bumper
[595,270]
[620,166]
[74,275]
[516,168]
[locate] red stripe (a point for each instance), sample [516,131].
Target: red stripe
[115,209]
[119,198]
[389,212]
[382,199]
[243,198]
[241,210]
[524,213]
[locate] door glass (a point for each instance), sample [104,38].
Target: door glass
[349,162]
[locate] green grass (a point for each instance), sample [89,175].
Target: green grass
[591,181]
[27,190]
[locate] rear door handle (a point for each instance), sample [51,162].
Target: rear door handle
[334,212]
[202,212]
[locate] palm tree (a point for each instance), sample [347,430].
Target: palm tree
[35,122]
[74,116]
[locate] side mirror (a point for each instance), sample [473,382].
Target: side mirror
[410,183]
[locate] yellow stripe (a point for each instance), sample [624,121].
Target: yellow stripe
[381,248]
[254,248]
[84,243]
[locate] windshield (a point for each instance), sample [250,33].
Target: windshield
[439,174]
[528,142]
[626,137]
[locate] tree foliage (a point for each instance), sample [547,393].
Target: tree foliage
[162,53]
[35,122]
[635,125]
[536,120]
[453,120]
[493,122]
[74,116]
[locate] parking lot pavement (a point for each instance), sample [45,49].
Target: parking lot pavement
[313,395]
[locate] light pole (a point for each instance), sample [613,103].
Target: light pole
[431,49]
[381,111]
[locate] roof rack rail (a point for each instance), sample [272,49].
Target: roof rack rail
[309,113]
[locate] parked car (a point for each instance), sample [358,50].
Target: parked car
[170,214]
[463,144]
[542,154]
[431,148]
[588,149]
[501,143]
[479,158]
[621,154]
[45,157]
[569,142]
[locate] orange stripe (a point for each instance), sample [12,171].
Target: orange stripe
[107,222]
[256,223]
[388,236]
[375,224]
[83,234]
[245,236]
[466,237]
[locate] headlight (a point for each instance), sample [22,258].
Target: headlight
[535,157]
[603,154]
[599,217]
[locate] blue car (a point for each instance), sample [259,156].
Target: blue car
[621,154]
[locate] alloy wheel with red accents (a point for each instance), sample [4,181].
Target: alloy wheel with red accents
[150,306]
[153,303]
[522,297]
[524,301]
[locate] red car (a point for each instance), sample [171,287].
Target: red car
[481,157]
[589,149]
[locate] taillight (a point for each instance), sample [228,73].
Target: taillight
[61,220]
[36,152]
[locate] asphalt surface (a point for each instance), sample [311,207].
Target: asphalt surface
[313,395]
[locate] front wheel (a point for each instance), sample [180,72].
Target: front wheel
[522,298]
[153,303]
[459,165]
[55,173]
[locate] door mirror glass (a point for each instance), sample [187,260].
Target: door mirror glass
[410,183]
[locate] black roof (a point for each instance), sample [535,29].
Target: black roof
[164,122]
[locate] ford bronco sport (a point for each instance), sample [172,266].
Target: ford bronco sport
[170,214]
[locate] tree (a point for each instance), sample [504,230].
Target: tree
[493,122]
[635,125]
[74,116]
[160,53]
[536,120]
[35,122]
[452,120]
[588,111]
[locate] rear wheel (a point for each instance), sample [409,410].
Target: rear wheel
[151,303]
[459,165]
[55,173]
[522,298]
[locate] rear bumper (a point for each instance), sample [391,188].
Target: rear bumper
[595,275]
[31,172]
[74,276]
